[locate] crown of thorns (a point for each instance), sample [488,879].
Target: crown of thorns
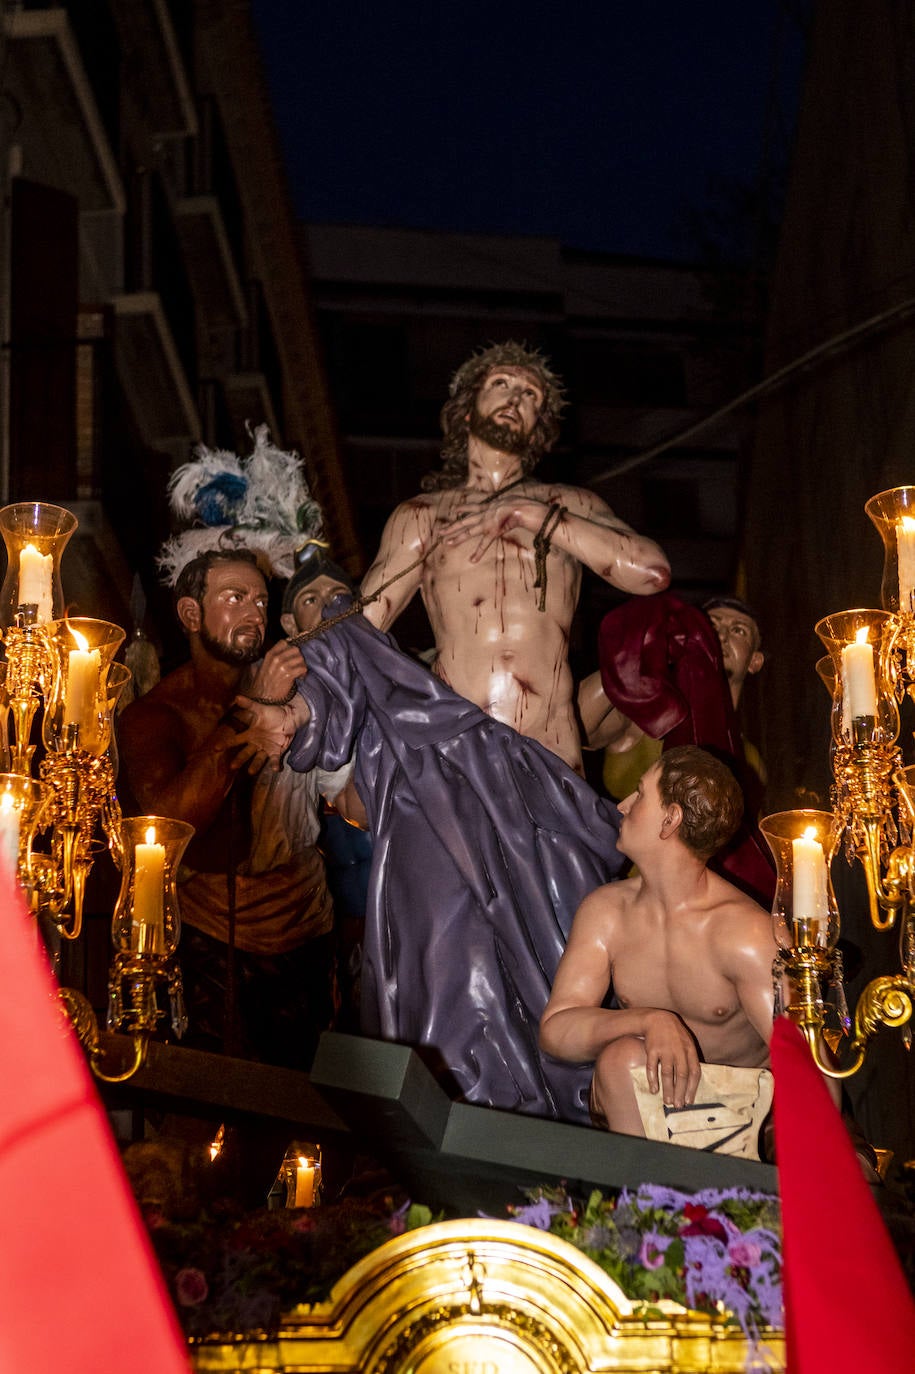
[511,354]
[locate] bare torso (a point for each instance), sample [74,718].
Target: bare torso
[694,967]
[477,580]
[493,644]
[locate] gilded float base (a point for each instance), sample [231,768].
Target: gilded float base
[486,1297]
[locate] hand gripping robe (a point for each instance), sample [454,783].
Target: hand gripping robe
[485,843]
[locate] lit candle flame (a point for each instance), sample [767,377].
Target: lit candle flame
[862,635]
[7,803]
[151,834]
[810,833]
[81,639]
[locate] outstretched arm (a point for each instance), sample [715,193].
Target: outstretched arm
[406,540]
[582,526]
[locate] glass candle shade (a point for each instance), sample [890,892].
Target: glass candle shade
[893,514]
[804,910]
[21,800]
[35,535]
[147,919]
[78,711]
[864,707]
[301,1173]
[826,672]
[119,676]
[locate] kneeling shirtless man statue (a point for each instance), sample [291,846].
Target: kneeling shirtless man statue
[687,955]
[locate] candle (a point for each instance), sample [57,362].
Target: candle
[304,1182]
[811,908]
[83,669]
[905,560]
[149,895]
[35,571]
[859,686]
[10,817]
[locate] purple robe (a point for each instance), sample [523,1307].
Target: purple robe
[485,843]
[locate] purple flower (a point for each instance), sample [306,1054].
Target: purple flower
[191,1287]
[397,1222]
[537,1214]
[653,1249]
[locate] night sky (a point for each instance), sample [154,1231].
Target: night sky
[604,125]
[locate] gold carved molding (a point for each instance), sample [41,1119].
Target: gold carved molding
[484,1297]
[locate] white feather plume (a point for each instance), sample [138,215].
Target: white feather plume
[260,503]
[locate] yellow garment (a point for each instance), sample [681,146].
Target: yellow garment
[622,771]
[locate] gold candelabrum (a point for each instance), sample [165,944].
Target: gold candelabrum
[55,824]
[145,930]
[869,668]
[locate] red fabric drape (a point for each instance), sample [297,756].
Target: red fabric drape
[660,664]
[848,1308]
[80,1289]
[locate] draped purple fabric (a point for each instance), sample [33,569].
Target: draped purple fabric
[485,843]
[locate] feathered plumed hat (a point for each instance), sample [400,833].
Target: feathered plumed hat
[261,503]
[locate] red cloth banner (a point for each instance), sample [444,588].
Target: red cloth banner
[80,1288]
[848,1308]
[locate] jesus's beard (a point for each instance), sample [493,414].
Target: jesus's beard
[503,438]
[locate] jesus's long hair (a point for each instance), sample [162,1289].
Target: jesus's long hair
[465,384]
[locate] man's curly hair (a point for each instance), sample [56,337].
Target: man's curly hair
[707,793]
[465,384]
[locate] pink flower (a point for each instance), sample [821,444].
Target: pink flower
[190,1287]
[653,1249]
[744,1253]
[397,1221]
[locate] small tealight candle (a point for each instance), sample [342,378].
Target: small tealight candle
[905,561]
[149,895]
[810,903]
[10,817]
[304,1182]
[859,684]
[35,573]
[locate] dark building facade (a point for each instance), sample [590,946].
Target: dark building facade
[151,287]
[647,351]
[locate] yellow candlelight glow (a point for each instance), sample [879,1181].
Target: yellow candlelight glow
[83,669]
[811,908]
[304,1182]
[905,561]
[149,895]
[35,573]
[859,684]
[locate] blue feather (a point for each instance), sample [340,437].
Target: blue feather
[219,499]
